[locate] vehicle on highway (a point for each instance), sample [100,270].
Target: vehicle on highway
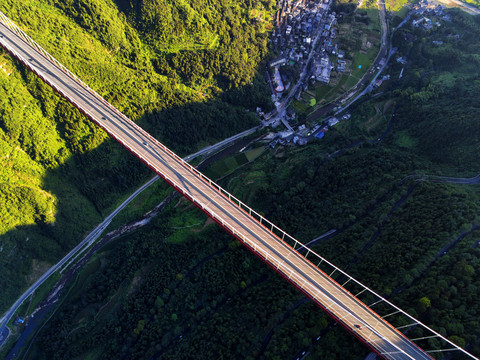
[359,327]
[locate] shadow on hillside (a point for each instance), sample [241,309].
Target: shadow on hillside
[87,186]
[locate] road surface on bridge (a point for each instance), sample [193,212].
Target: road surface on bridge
[334,299]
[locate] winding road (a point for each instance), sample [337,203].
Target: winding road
[93,236]
[252,230]
[444,179]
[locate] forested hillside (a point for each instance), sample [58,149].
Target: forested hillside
[475,3]
[195,293]
[176,67]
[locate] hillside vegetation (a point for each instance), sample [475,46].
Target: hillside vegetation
[197,294]
[183,70]
[475,3]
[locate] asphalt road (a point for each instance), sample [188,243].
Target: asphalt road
[444,179]
[93,236]
[281,109]
[85,243]
[382,53]
[452,180]
[334,299]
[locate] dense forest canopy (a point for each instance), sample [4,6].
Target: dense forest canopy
[197,294]
[183,70]
[181,288]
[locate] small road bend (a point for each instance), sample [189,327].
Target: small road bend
[359,319]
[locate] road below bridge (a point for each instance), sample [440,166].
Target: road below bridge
[235,217]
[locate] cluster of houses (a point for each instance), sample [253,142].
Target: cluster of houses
[298,24]
[425,22]
[322,69]
[322,64]
[301,25]
[303,134]
[427,8]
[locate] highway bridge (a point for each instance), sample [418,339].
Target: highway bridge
[264,239]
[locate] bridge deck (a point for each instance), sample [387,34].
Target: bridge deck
[334,299]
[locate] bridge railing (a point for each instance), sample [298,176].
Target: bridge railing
[279,233]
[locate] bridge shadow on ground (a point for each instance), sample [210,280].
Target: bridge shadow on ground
[73,197]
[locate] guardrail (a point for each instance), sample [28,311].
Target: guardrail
[272,228]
